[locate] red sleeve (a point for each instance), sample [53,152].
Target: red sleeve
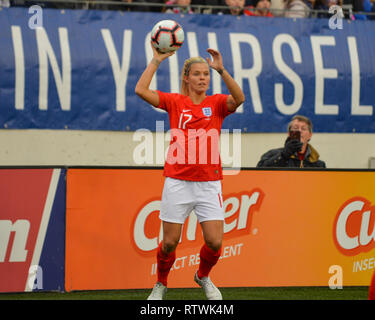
[163,101]
[167,101]
[222,105]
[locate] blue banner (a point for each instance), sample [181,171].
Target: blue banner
[77,69]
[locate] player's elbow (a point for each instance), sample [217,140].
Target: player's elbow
[240,99]
[139,90]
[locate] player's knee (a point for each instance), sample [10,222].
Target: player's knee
[214,244]
[169,245]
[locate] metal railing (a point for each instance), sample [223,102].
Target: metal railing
[150,6]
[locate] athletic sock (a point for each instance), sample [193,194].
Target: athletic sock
[165,262]
[208,258]
[371,294]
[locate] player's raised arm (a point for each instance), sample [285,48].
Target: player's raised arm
[142,89]
[236,97]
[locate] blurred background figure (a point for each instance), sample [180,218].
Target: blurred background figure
[4,3]
[123,7]
[297,9]
[369,6]
[129,8]
[208,10]
[361,6]
[143,7]
[262,9]
[235,7]
[149,8]
[297,151]
[324,5]
[277,8]
[181,6]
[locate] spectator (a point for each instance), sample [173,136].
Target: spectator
[121,6]
[277,8]
[208,10]
[127,8]
[182,6]
[311,3]
[324,5]
[296,152]
[235,7]
[4,3]
[145,7]
[262,9]
[297,9]
[372,17]
[363,6]
[359,6]
[368,7]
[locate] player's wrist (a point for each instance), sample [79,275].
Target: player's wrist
[156,62]
[220,71]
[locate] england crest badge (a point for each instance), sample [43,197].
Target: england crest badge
[207,111]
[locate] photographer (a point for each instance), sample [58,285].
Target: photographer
[297,152]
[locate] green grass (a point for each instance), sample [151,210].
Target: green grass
[279,293]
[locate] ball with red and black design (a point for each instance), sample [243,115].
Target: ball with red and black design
[167,35]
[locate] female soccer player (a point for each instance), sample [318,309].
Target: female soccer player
[192,172]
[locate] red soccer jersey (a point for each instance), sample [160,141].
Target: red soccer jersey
[195,131]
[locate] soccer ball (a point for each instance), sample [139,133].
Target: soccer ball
[167,35]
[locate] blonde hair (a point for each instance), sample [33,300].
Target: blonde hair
[185,72]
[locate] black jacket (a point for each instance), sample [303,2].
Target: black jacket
[275,158]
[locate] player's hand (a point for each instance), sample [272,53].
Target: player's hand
[160,55]
[217,60]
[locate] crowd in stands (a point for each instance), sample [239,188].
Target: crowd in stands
[265,8]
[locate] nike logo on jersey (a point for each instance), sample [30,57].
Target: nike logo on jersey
[187,110]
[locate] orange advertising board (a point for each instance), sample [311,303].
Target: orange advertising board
[282,228]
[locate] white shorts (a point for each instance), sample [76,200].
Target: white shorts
[180,197]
